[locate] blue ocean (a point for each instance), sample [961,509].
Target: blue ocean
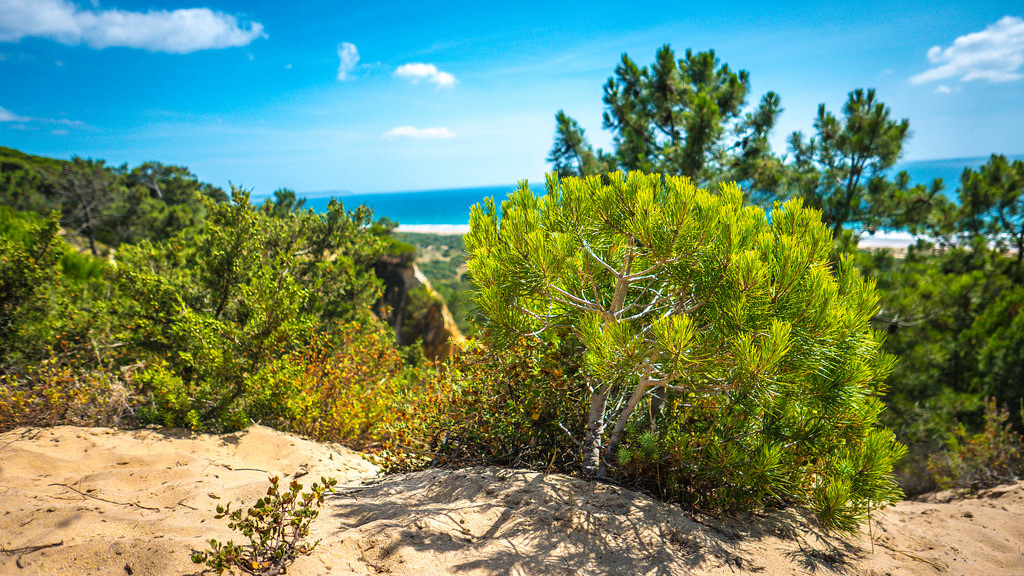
[440,207]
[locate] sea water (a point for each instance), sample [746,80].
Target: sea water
[433,208]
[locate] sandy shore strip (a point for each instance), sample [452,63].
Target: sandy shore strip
[441,229]
[894,240]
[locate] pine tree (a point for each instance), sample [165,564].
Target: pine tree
[842,170]
[680,117]
[992,206]
[749,349]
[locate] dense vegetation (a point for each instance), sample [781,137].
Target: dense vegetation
[643,328]
[951,306]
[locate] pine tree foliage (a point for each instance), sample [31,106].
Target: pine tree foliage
[842,170]
[992,205]
[725,351]
[677,116]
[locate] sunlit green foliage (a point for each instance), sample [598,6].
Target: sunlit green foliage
[28,267]
[276,526]
[709,335]
[219,306]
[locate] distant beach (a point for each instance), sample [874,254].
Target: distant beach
[443,229]
[893,240]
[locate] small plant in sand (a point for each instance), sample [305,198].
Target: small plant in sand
[276,527]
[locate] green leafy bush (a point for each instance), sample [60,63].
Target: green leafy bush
[276,527]
[217,310]
[518,408]
[727,361]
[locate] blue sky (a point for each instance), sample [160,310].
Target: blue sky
[386,96]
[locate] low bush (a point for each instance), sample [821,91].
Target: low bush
[276,526]
[972,461]
[523,408]
[55,393]
[352,388]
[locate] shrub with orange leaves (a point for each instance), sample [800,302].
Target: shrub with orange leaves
[523,408]
[351,386]
[55,393]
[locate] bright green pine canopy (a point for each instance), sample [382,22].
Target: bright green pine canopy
[688,296]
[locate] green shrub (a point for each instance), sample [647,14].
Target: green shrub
[972,461]
[726,360]
[276,527]
[54,392]
[218,310]
[520,408]
[353,388]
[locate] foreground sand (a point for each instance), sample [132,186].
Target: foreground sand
[137,502]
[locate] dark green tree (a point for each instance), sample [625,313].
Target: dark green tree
[283,203]
[572,155]
[158,202]
[992,206]
[842,170]
[87,190]
[681,117]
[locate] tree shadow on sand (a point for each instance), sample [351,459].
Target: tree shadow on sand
[497,521]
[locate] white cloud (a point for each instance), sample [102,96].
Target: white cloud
[995,54]
[417,71]
[60,132]
[942,89]
[8,116]
[178,31]
[419,133]
[349,56]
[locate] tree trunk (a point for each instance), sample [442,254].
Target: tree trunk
[595,429]
[89,230]
[620,424]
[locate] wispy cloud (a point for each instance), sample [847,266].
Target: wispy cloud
[942,89]
[419,133]
[177,31]
[995,54]
[349,56]
[8,116]
[417,71]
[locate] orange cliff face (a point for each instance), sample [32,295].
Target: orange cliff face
[414,310]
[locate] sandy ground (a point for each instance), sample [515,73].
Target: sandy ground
[100,501]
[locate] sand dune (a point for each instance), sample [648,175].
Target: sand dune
[101,501]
